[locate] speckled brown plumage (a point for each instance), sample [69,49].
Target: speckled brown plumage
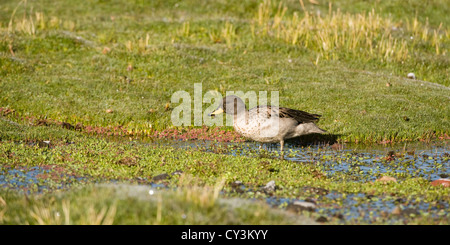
[267,123]
[283,112]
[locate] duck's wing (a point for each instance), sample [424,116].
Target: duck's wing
[282,112]
[299,116]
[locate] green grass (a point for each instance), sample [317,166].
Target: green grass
[132,204]
[116,64]
[56,66]
[76,161]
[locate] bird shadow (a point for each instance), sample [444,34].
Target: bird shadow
[314,139]
[304,141]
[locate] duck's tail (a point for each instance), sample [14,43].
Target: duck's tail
[318,130]
[308,128]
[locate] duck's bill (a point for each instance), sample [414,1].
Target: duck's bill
[216,112]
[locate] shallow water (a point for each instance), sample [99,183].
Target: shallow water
[36,178]
[365,207]
[359,162]
[22,177]
[430,161]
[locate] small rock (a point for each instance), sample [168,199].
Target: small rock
[411,75]
[441,182]
[270,186]
[386,179]
[297,206]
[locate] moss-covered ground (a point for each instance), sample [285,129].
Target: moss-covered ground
[73,73]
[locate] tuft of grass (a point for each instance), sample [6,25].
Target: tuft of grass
[336,35]
[132,204]
[30,22]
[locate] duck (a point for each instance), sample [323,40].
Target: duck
[266,123]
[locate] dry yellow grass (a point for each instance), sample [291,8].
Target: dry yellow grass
[367,34]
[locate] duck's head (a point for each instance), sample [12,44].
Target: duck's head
[231,105]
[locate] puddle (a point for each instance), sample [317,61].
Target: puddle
[430,162]
[361,163]
[368,208]
[35,179]
[356,207]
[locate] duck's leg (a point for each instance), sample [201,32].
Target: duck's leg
[281,149]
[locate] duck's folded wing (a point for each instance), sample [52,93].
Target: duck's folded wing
[300,116]
[282,112]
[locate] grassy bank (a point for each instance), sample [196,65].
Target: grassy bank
[132,204]
[117,65]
